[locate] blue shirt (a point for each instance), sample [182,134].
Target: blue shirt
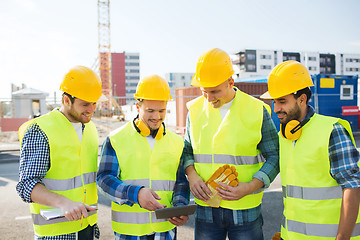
[117,191]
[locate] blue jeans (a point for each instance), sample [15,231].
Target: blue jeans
[223,225]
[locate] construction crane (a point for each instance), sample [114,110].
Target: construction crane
[104,50]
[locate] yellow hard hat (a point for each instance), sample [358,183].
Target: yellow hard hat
[153,88]
[213,68]
[287,78]
[83,83]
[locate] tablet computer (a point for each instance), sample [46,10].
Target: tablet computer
[175,211]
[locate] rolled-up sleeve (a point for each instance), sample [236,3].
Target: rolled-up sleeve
[269,147]
[344,158]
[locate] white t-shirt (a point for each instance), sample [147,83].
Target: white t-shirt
[224,108]
[151,141]
[78,129]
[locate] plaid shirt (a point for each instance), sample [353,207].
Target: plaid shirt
[117,191]
[34,164]
[343,157]
[269,147]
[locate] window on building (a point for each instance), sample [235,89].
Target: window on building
[312,58]
[134,70]
[132,77]
[346,92]
[251,67]
[265,67]
[131,64]
[251,56]
[265,56]
[287,58]
[312,68]
[352,60]
[352,69]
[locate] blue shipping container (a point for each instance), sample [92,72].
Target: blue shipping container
[329,94]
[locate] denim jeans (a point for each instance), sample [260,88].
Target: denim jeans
[223,225]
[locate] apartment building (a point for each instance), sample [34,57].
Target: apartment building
[125,72]
[252,62]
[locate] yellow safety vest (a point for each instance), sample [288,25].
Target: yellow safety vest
[312,198]
[232,141]
[73,166]
[155,169]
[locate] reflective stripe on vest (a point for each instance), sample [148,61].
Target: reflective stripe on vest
[229,159]
[68,184]
[156,185]
[318,230]
[70,160]
[319,193]
[142,166]
[216,141]
[312,197]
[135,217]
[39,220]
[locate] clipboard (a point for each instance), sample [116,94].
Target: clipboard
[54,213]
[175,211]
[50,214]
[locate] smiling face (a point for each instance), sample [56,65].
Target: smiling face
[152,113]
[78,110]
[219,95]
[288,108]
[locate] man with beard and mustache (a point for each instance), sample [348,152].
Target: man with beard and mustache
[140,169]
[58,161]
[318,162]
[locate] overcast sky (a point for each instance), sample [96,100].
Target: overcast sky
[42,39]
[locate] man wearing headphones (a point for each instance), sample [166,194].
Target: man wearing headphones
[318,162]
[139,169]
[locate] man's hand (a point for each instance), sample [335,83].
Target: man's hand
[179,221]
[197,185]
[241,190]
[224,174]
[73,210]
[147,199]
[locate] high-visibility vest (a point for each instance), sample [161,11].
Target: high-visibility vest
[312,198]
[232,140]
[153,168]
[73,166]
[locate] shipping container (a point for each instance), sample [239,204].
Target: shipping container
[336,96]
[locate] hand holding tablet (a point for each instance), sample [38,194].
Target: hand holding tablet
[175,211]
